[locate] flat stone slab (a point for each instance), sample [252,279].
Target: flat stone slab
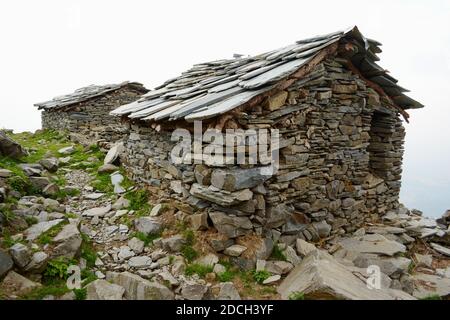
[442,250]
[373,243]
[426,285]
[320,276]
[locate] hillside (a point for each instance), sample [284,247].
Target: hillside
[64,205]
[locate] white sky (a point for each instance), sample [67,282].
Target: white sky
[51,47]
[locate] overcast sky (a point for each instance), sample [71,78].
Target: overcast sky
[52,47]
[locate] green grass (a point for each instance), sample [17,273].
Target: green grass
[199,269]
[432,297]
[187,251]
[56,289]
[57,268]
[80,294]
[7,241]
[261,275]
[277,254]
[296,295]
[31,220]
[227,276]
[138,200]
[87,251]
[47,237]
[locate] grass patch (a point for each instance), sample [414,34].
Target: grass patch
[198,269]
[187,251]
[80,294]
[7,241]
[87,251]
[47,237]
[432,297]
[57,268]
[56,289]
[261,275]
[31,220]
[297,295]
[277,254]
[138,200]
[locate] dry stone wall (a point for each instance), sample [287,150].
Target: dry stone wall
[90,120]
[341,151]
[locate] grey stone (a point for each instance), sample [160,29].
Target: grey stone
[10,148]
[304,248]
[272,279]
[141,262]
[68,242]
[17,285]
[97,212]
[38,262]
[231,226]
[373,243]
[220,197]
[40,182]
[156,210]
[199,221]
[173,244]
[33,232]
[291,256]
[320,276]
[5,173]
[137,288]
[125,253]
[227,291]
[6,263]
[209,259]
[103,290]
[51,164]
[426,285]
[136,245]
[238,179]
[235,250]
[107,168]
[114,153]
[441,249]
[67,150]
[423,260]
[121,203]
[51,190]
[194,291]
[21,254]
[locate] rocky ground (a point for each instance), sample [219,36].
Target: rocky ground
[66,205]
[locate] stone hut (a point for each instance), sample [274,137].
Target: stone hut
[339,117]
[85,112]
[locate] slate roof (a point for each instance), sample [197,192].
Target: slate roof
[84,94]
[213,88]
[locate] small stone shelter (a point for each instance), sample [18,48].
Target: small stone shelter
[85,112]
[340,119]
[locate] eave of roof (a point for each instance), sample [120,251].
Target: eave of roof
[213,88]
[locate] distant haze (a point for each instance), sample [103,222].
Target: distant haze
[51,47]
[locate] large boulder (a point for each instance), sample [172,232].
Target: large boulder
[15,284]
[103,290]
[372,243]
[68,242]
[113,153]
[137,288]
[320,276]
[10,148]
